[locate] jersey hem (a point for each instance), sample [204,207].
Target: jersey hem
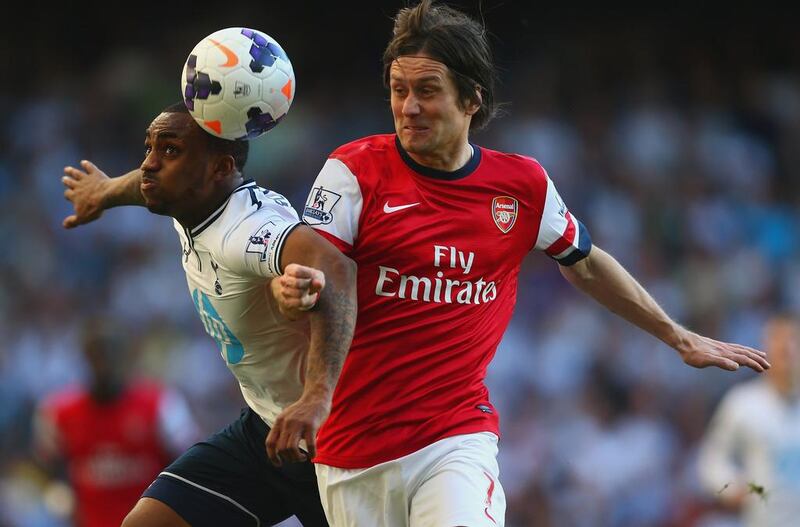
[356,462]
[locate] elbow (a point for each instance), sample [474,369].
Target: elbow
[343,270]
[578,273]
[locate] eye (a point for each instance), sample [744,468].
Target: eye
[147,149]
[170,149]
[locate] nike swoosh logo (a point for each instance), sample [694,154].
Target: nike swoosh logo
[388,210]
[232,61]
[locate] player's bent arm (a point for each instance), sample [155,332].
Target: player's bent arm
[91,192]
[332,323]
[600,276]
[297,290]
[333,319]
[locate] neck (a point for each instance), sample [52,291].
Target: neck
[201,210]
[782,384]
[106,392]
[448,161]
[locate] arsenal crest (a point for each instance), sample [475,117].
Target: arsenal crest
[504,212]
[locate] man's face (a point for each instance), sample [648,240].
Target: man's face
[176,166]
[782,344]
[428,116]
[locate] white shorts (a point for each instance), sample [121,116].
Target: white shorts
[452,482]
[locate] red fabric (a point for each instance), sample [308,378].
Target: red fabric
[415,372]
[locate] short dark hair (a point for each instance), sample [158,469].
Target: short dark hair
[454,39]
[238,148]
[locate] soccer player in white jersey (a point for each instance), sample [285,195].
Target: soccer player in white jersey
[438,227]
[753,441]
[236,236]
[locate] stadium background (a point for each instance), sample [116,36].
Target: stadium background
[672,133]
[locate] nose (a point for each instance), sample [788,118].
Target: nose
[411,105]
[151,162]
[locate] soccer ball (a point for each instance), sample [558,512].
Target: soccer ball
[238,83]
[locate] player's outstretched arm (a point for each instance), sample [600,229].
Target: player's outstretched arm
[332,324]
[600,276]
[91,192]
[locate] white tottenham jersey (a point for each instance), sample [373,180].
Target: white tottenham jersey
[754,439]
[229,260]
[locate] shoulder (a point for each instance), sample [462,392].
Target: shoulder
[365,152]
[746,396]
[373,145]
[514,163]
[147,389]
[62,402]
[250,207]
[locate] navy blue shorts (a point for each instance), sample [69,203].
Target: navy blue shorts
[229,480]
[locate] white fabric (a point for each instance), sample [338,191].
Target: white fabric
[339,212]
[229,260]
[449,483]
[754,437]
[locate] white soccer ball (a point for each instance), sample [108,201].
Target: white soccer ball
[238,83]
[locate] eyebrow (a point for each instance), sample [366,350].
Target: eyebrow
[163,134]
[427,78]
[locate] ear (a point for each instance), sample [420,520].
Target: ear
[474,103]
[223,167]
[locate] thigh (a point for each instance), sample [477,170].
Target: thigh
[462,487]
[375,496]
[153,513]
[228,480]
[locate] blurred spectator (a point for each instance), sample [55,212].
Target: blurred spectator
[750,458]
[114,435]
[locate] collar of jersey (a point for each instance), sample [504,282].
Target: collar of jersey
[462,172]
[217,213]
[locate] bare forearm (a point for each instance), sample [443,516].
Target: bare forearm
[604,279]
[332,325]
[124,190]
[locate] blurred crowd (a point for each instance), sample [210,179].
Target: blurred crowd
[676,148]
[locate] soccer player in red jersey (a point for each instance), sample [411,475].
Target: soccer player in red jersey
[438,227]
[114,435]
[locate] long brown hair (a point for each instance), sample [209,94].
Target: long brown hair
[454,39]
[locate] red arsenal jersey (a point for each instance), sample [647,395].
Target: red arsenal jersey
[438,256]
[113,451]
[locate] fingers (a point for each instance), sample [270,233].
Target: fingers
[318,281]
[311,442]
[298,285]
[757,355]
[70,222]
[74,173]
[751,360]
[283,441]
[272,446]
[299,271]
[88,166]
[750,363]
[69,182]
[745,356]
[727,364]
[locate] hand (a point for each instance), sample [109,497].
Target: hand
[299,420]
[85,189]
[700,352]
[297,289]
